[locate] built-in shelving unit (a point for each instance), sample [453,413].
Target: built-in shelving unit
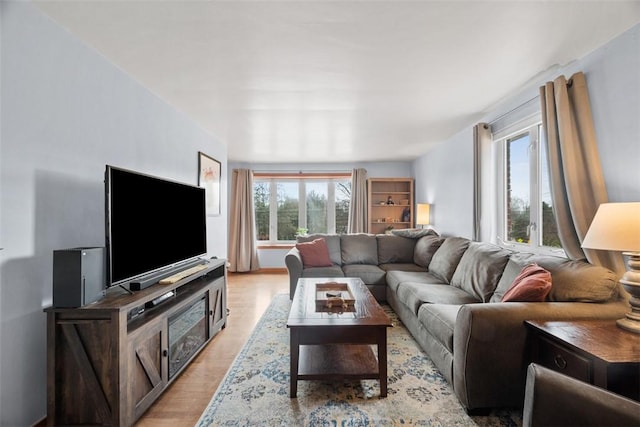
[390,204]
[108,361]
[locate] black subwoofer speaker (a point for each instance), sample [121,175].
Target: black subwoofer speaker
[78,276]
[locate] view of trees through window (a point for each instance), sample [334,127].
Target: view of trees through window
[527,186]
[285,207]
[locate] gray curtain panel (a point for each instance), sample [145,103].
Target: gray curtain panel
[577,181]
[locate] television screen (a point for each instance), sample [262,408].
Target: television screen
[152,224]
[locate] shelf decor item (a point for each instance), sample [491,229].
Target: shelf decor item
[209,170]
[616,227]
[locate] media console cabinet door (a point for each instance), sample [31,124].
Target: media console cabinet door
[82,364]
[147,371]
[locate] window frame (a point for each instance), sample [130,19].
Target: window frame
[531,125]
[301,178]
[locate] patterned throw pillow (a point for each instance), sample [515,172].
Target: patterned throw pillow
[314,253]
[533,284]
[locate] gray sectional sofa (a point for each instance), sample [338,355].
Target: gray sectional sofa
[447,292]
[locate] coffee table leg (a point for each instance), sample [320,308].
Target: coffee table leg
[294,354]
[382,361]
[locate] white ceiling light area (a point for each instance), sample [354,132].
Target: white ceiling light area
[348,81]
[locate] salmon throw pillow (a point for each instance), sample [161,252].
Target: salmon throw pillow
[314,253]
[533,284]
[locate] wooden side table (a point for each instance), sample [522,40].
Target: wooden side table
[594,351]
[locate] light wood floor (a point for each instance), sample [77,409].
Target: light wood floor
[248,296]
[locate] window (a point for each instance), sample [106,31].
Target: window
[286,205]
[525,211]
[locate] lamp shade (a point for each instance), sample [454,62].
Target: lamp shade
[422,213]
[615,227]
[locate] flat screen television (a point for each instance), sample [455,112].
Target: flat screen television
[152,225]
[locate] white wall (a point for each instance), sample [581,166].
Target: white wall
[65,113]
[274,257]
[444,176]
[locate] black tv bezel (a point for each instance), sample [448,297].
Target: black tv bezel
[169,267]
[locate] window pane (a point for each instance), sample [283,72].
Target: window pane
[316,207]
[518,189]
[287,210]
[549,229]
[343,198]
[261,195]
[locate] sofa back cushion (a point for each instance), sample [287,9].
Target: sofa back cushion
[480,269]
[572,280]
[359,249]
[446,259]
[333,244]
[425,248]
[395,249]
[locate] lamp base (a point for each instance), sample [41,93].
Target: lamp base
[631,282]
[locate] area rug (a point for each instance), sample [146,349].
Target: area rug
[255,390]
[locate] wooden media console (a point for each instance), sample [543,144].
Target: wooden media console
[108,361]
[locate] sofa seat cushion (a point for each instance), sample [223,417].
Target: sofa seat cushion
[394,249]
[413,295]
[440,320]
[480,269]
[370,274]
[395,277]
[333,271]
[333,244]
[359,249]
[401,267]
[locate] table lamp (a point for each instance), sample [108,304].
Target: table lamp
[422,214]
[616,227]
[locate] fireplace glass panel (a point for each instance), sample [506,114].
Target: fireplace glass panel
[187,333]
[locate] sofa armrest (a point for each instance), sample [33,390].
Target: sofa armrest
[491,352]
[554,399]
[293,261]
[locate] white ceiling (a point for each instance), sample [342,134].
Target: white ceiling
[339,81]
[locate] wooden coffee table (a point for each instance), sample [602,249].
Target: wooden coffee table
[336,343]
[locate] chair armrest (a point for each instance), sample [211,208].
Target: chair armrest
[491,352]
[293,261]
[554,399]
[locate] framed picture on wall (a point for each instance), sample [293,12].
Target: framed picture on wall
[209,170]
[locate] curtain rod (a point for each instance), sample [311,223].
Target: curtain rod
[301,172]
[523,105]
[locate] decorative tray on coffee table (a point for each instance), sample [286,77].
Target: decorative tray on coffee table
[334,295]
